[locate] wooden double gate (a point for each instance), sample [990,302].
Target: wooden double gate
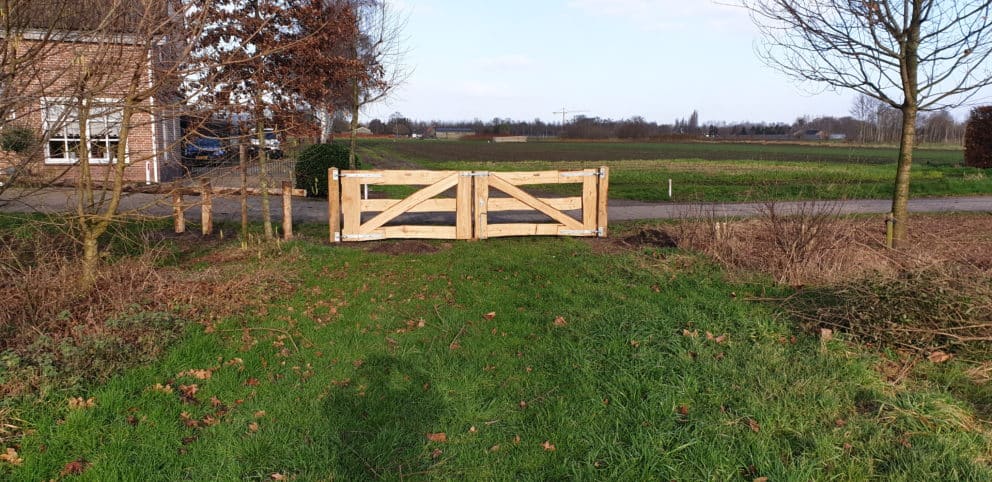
[469,195]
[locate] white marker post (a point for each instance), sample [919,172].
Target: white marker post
[669,188]
[366,186]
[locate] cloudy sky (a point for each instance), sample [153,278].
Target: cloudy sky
[526,59]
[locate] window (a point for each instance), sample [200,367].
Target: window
[103,131]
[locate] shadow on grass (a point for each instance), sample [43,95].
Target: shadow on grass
[384,415]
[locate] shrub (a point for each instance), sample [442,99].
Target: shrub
[978,138]
[313,163]
[17,139]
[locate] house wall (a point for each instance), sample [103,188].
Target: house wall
[105,69]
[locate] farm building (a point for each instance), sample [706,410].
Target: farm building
[81,48]
[449,133]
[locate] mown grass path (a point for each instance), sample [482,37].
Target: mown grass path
[536,359]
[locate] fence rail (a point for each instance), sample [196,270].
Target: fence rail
[467,195]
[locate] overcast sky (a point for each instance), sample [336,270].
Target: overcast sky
[526,59]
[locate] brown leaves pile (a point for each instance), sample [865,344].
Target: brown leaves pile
[78,403]
[11,457]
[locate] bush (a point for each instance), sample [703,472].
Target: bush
[313,163]
[978,138]
[17,139]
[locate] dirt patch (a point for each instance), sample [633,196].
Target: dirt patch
[648,237]
[406,247]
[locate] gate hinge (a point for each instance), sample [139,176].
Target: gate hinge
[336,175]
[337,237]
[579,174]
[601,173]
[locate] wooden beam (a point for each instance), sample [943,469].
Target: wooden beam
[207,208]
[411,201]
[334,205]
[481,205]
[351,197]
[512,204]
[498,183]
[463,206]
[429,206]
[178,215]
[602,215]
[287,210]
[590,187]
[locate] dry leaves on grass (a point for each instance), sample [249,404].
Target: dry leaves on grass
[79,403]
[76,467]
[548,446]
[489,316]
[11,457]
[197,374]
[439,437]
[560,321]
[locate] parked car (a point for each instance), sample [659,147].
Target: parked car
[272,144]
[202,151]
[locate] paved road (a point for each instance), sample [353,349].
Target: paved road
[311,210]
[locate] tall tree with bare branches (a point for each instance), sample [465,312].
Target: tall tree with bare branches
[914,55]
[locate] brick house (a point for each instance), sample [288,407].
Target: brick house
[91,60]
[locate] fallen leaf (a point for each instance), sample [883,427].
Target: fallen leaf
[826,334]
[158,387]
[635,343]
[197,374]
[560,321]
[683,410]
[939,357]
[490,315]
[548,446]
[761,479]
[720,339]
[690,334]
[80,403]
[522,404]
[472,429]
[215,402]
[516,440]
[253,427]
[439,437]
[251,382]
[260,414]
[454,346]
[840,422]
[278,476]
[11,457]
[494,448]
[188,420]
[210,420]
[436,453]
[753,424]
[75,467]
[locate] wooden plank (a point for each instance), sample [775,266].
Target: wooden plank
[418,232]
[498,183]
[351,197]
[481,206]
[287,211]
[524,178]
[602,215]
[206,209]
[428,206]
[411,201]
[504,230]
[334,205]
[590,187]
[512,204]
[178,215]
[463,207]
[403,178]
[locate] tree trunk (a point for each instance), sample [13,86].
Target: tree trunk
[263,173]
[91,260]
[900,197]
[355,107]
[326,124]
[243,163]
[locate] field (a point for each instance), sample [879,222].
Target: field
[513,359]
[704,172]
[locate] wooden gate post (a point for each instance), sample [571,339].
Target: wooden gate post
[481,207]
[463,206]
[602,217]
[334,204]
[178,216]
[206,208]
[287,210]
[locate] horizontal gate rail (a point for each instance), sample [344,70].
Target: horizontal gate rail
[471,205]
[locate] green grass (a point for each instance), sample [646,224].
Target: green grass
[712,173]
[619,390]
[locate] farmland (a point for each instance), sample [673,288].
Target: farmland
[704,172]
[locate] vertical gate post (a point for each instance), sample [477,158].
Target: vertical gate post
[287,210]
[481,204]
[590,200]
[178,215]
[463,206]
[206,207]
[334,204]
[602,216]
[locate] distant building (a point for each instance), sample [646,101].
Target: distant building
[450,133]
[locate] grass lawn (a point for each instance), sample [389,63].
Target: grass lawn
[508,359]
[708,172]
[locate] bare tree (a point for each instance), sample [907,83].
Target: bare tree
[380,49]
[914,55]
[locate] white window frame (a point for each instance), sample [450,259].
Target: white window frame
[73,158]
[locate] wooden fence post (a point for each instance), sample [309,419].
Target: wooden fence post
[602,217]
[206,208]
[178,216]
[334,204]
[287,210]
[481,207]
[463,206]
